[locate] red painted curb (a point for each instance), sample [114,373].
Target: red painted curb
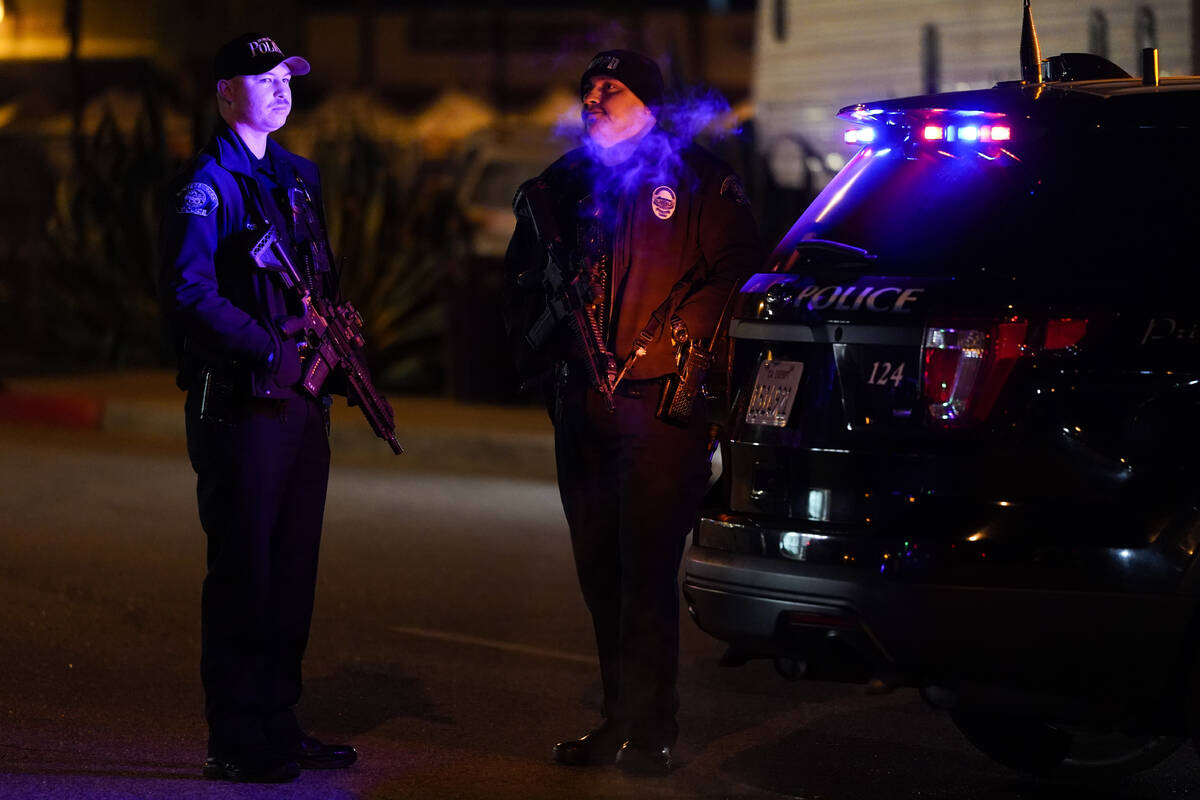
[44,409]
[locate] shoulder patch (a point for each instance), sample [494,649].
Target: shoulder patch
[733,189]
[196,198]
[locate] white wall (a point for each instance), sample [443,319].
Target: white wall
[840,52]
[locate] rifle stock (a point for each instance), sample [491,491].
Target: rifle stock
[334,336]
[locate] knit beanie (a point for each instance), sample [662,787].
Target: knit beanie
[639,73]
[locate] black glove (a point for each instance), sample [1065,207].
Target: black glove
[283,362]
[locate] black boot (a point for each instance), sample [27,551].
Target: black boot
[594,748]
[634,759]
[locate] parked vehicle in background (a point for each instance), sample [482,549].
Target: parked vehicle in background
[491,177]
[478,365]
[962,450]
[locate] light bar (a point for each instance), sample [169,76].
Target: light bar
[952,127]
[967,133]
[859,136]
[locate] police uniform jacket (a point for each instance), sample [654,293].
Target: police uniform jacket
[681,214]
[219,308]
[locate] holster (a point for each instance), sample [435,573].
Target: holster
[216,394]
[677,402]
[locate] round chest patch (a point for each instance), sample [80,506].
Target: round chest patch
[662,202]
[196,198]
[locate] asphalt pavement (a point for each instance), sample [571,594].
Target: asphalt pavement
[438,434]
[450,642]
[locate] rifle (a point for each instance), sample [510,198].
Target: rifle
[334,336]
[569,296]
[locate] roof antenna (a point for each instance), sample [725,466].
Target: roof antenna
[1150,66]
[1031,52]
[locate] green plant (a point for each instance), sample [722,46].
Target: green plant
[97,297]
[393,224]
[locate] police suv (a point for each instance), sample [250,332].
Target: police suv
[962,454]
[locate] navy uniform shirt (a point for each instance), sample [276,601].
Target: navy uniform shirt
[218,307]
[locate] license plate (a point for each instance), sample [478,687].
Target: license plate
[774,392]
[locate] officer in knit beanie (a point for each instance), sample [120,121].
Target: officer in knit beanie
[662,234]
[639,73]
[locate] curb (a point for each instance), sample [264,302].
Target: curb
[42,409]
[438,435]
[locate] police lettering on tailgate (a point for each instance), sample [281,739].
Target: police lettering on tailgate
[1169,328]
[856,298]
[871,294]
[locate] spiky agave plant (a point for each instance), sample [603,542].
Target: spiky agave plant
[98,291]
[392,221]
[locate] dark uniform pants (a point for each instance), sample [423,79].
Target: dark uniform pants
[261,482]
[630,487]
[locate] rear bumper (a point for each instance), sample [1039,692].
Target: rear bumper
[920,613]
[822,615]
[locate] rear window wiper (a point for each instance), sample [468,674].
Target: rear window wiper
[814,252]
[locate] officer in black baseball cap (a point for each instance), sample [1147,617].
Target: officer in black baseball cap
[254,54]
[257,439]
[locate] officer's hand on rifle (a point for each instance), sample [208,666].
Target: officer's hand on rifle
[283,362]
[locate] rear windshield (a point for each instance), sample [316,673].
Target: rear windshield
[1088,202]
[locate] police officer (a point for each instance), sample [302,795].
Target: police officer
[257,442]
[666,232]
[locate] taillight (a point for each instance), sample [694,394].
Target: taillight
[1062,333]
[967,362]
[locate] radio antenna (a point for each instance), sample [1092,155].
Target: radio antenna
[1031,52]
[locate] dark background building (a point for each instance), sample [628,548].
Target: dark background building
[424,118]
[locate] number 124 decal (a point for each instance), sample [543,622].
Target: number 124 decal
[883,373]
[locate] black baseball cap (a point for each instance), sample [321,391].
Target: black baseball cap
[254,54]
[635,70]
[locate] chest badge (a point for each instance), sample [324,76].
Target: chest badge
[196,198]
[662,202]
